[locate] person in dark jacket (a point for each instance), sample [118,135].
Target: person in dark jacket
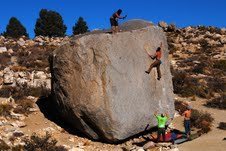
[114,21]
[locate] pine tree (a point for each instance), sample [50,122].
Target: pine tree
[50,23]
[80,27]
[15,29]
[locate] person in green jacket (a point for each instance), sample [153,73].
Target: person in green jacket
[162,120]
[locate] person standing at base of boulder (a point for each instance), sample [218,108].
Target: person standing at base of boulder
[161,119]
[114,21]
[157,62]
[187,121]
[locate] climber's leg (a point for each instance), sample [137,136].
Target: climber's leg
[154,64]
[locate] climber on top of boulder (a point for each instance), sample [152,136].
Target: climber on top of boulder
[114,21]
[157,62]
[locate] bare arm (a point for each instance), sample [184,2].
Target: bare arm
[120,16]
[152,57]
[148,53]
[155,113]
[167,115]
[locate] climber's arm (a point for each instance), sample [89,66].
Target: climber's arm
[119,16]
[152,57]
[155,114]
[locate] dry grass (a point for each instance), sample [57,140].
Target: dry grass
[219,103]
[188,86]
[21,92]
[180,107]
[45,143]
[217,84]
[4,146]
[23,106]
[18,68]
[220,64]
[6,91]
[35,58]
[5,109]
[5,60]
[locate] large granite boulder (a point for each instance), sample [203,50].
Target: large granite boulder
[100,86]
[134,24]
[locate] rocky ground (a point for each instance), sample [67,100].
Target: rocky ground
[198,59]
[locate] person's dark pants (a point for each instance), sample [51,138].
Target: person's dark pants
[187,126]
[173,137]
[113,22]
[161,131]
[157,65]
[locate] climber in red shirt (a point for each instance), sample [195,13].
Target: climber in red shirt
[157,62]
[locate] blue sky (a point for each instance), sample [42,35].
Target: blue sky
[97,12]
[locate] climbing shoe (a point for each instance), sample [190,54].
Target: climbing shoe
[158,78]
[147,72]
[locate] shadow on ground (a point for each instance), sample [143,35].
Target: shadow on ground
[50,112]
[47,107]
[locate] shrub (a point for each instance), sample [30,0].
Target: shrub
[180,107]
[219,102]
[5,60]
[36,58]
[222,125]
[199,68]
[15,29]
[80,27]
[183,84]
[202,91]
[171,48]
[50,23]
[216,84]
[188,86]
[171,28]
[25,91]
[21,92]
[215,30]
[18,148]
[45,143]
[4,146]
[18,68]
[220,64]
[23,106]
[5,109]
[204,43]
[6,91]
[201,120]
[193,98]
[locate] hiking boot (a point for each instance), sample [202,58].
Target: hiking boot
[147,72]
[158,78]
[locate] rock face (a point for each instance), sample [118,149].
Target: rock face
[135,24]
[101,89]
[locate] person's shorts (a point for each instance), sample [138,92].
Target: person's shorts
[113,22]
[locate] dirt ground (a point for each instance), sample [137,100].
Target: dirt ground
[213,141]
